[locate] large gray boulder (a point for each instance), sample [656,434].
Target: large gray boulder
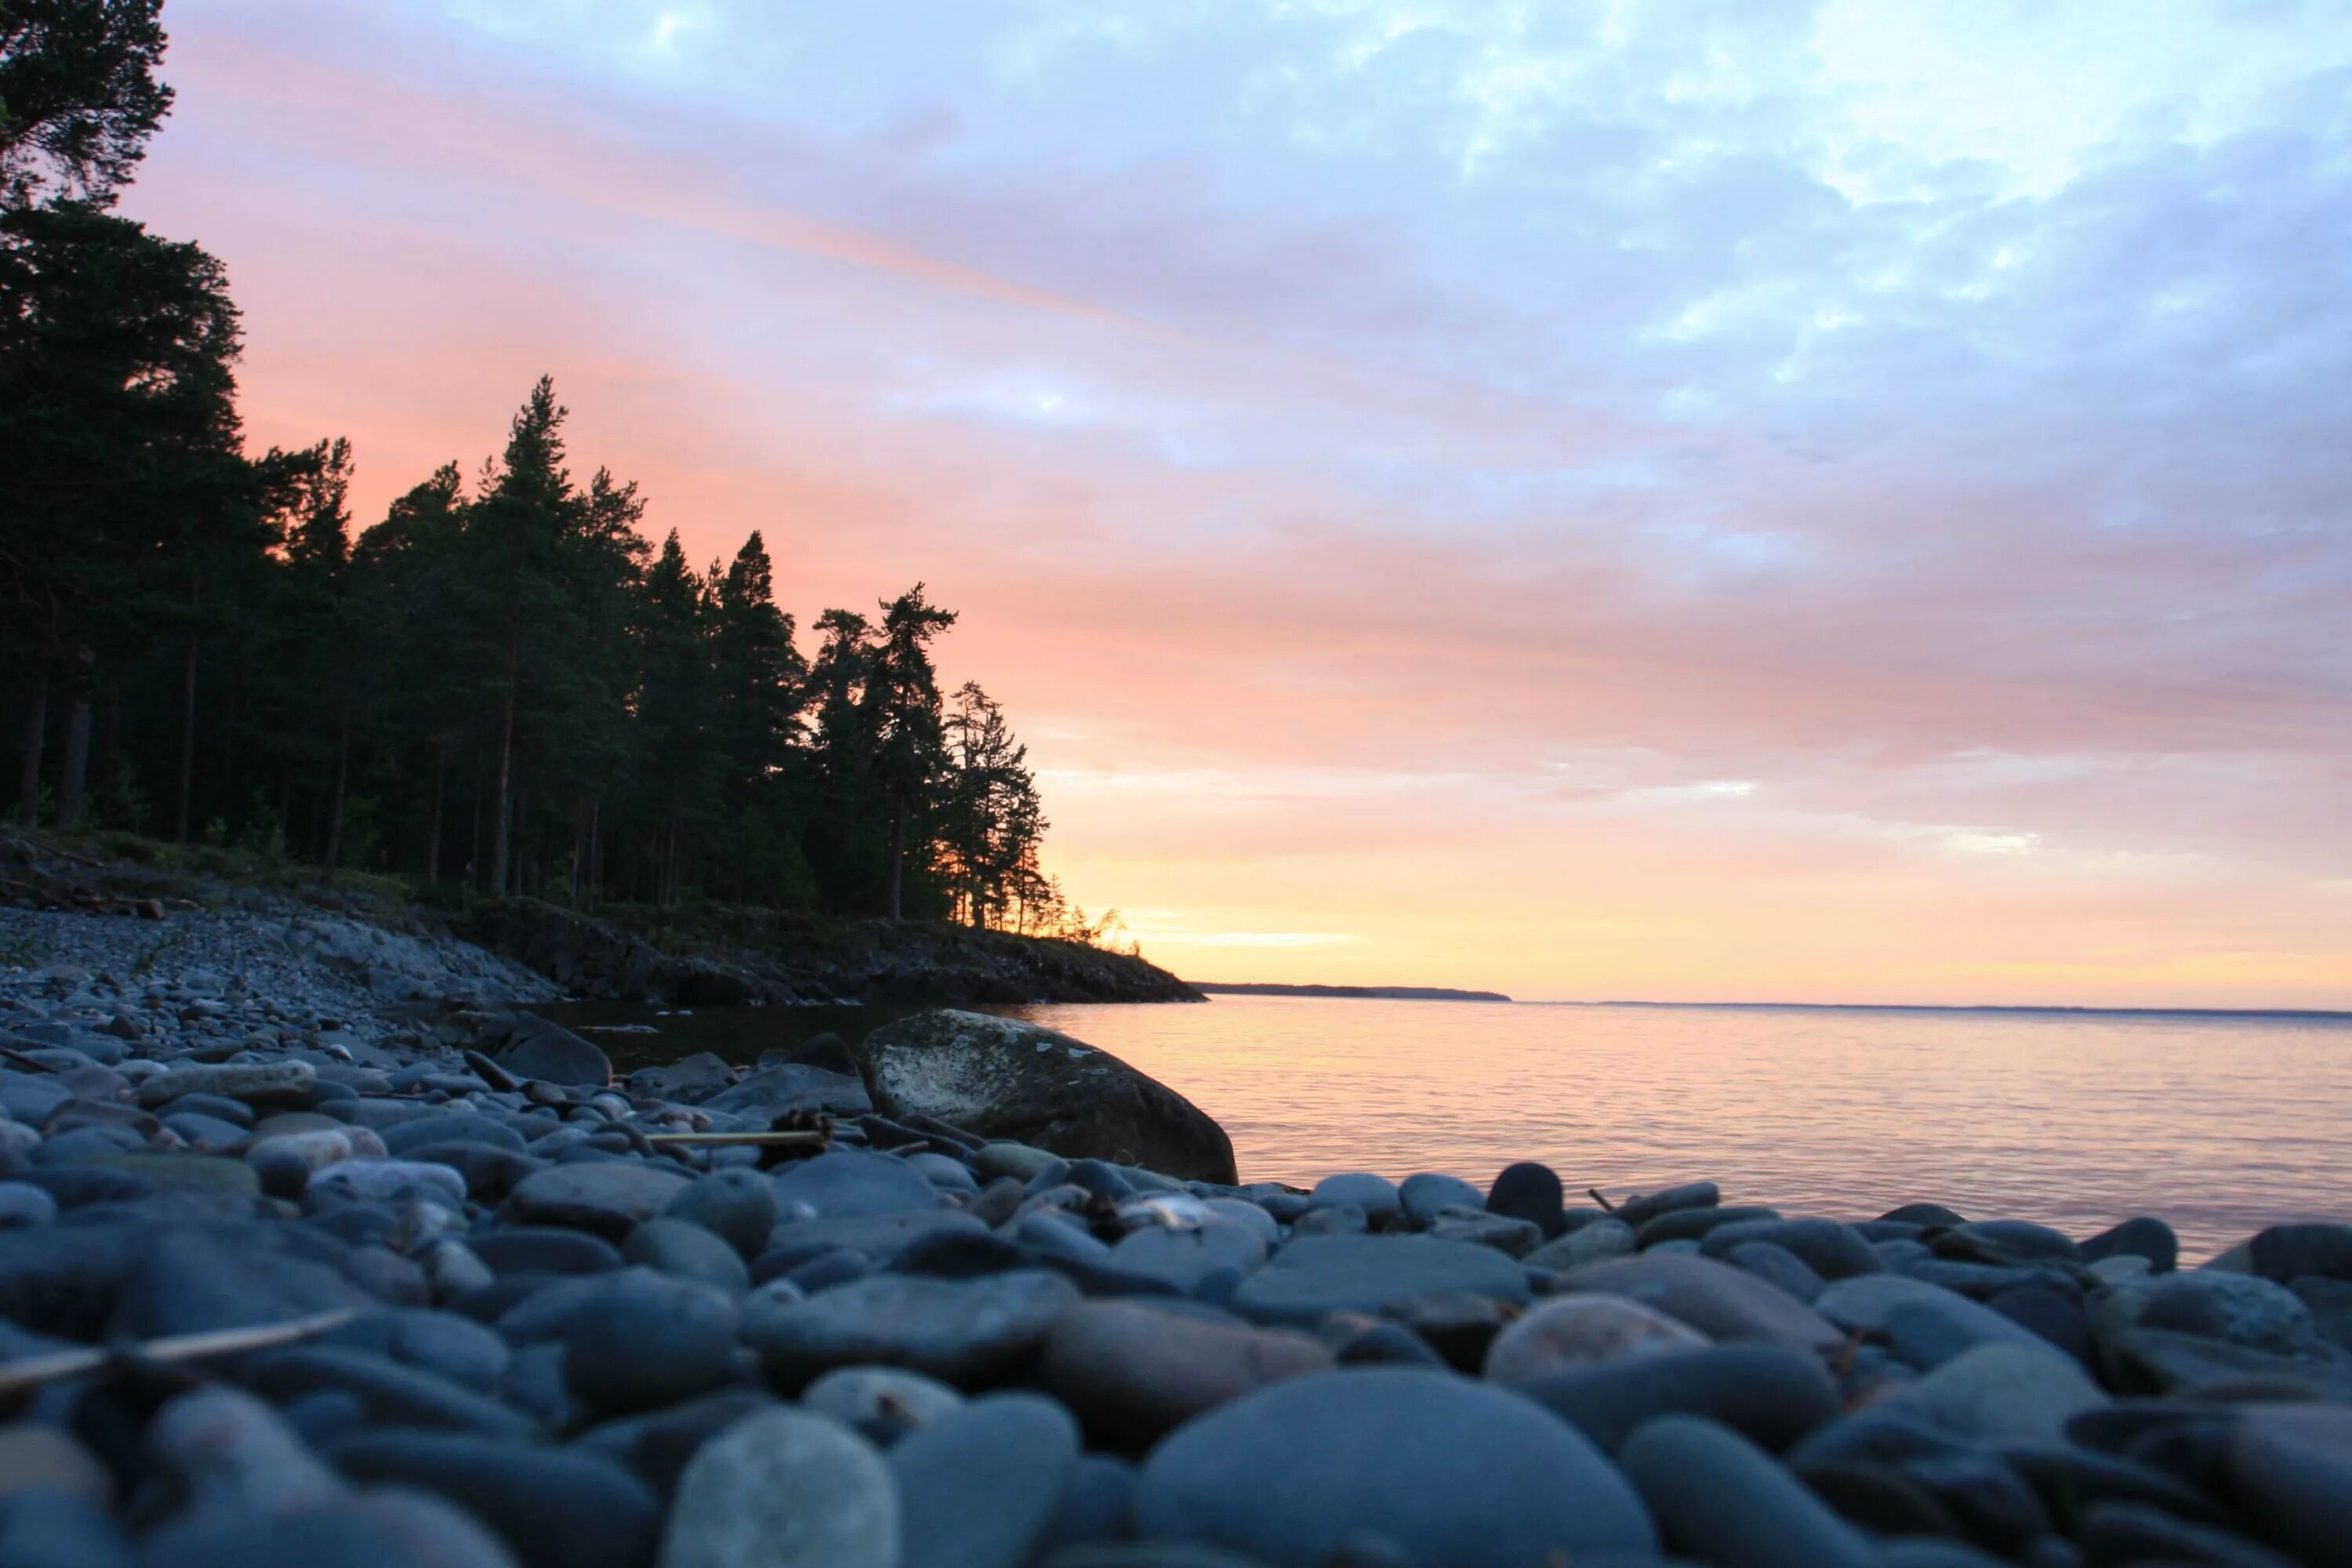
[1007,1080]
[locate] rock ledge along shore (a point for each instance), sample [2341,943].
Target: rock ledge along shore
[295,1271]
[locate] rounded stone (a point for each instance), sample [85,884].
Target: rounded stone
[1187,1258]
[2291,1467]
[882,1403]
[23,1205]
[1594,1243]
[683,1250]
[1530,1192]
[1726,1501]
[1768,1394]
[961,1331]
[1320,1274]
[645,1340]
[1376,1195]
[2003,1393]
[1830,1249]
[1715,1298]
[738,1207]
[554,1508]
[1640,1211]
[1583,1331]
[977,1486]
[608,1198]
[850,1183]
[1450,1473]
[784,1488]
[1134,1370]
[1777,1265]
[1424,1194]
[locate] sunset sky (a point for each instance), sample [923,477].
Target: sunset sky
[1844,501]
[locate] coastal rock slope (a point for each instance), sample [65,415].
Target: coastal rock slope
[1004,1079]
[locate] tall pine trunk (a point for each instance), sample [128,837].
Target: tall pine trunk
[75,785]
[897,853]
[432,833]
[187,739]
[28,772]
[343,776]
[501,837]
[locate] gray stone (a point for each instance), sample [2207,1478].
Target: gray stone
[977,1486]
[2291,1467]
[1450,1473]
[1531,1192]
[1715,1298]
[850,1183]
[882,1403]
[1018,1160]
[684,1082]
[1583,1331]
[1832,1250]
[1724,1501]
[608,1198]
[453,1127]
[788,1087]
[1593,1243]
[539,1049]
[252,1082]
[647,1341]
[1776,1265]
[2004,1393]
[228,1452]
[684,1251]
[23,1205]
[1186,1258]
[738,1207]
[2144,1236]
[1768,1394]
[384,1180]
[1362,1273]
[1510,1236]
[1135,1371]
[1422,1194]
[1640,1211]
[961,1331]
[1376,1195]
[386,1391]
[1008,1080]
[1693,1224]
[784,1488]
[553,1508]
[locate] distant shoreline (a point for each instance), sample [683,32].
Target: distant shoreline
[1373,992]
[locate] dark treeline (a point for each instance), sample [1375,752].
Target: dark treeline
[501,685]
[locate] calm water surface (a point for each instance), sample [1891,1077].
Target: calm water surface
[2219,1124]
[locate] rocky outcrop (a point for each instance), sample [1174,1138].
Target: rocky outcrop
[763,956]
[1007,1080]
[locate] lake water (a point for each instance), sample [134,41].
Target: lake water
[2219,1124]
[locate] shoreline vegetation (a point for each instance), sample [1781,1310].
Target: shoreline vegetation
[501,687]
[1375,993]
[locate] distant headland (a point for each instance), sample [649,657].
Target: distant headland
[1377,992]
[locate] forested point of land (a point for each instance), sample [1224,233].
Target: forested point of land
[502,686]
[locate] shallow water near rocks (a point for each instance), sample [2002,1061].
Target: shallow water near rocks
[2220,1124]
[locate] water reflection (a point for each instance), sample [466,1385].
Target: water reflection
[2218,1124]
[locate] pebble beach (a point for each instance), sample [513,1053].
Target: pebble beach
[316,1248]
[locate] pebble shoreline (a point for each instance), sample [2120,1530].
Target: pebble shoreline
[505,1313]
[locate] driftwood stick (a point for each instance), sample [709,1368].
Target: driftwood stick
[32,1372]
[1607,1207]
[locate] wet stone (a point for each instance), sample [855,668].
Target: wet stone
[961,1331]
[1530,1192]
[881,1403]
[1134,1370]
[607,1199]
[647,1341]
[784,1488]
[1446,1469]
[1583,1331]
[977,1486]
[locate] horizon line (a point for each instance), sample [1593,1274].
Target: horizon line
[2342,1014]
